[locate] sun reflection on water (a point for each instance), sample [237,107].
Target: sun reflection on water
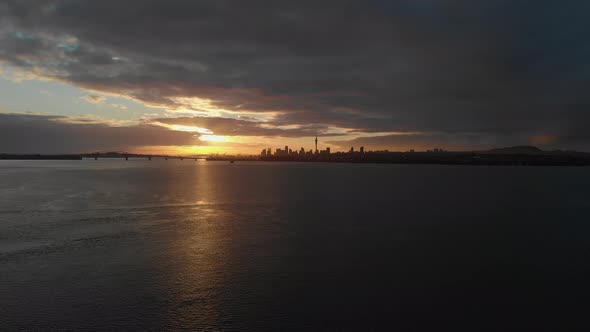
[195,254]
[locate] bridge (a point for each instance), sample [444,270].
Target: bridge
[126,156]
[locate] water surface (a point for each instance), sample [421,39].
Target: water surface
[141,245]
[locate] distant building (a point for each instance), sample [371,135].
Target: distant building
[362,149]
[351,149]
[316,144]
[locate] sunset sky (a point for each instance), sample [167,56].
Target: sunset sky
[191,77]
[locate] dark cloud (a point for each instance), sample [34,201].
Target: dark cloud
[27,133]
[238,127]
[498,70]
[33,133]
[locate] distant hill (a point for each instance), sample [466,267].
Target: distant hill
[522,149]
[533,150]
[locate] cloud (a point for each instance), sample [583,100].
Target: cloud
[494,70]
[94,99]
[30,133]
[40,133]
[239,127]
[119,106]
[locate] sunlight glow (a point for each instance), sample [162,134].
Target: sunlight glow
[190,129]
[197,104]
[213,138]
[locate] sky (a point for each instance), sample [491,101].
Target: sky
[219,76]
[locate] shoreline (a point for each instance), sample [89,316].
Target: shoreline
[415,158]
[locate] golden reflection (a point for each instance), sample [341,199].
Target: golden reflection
[196,252]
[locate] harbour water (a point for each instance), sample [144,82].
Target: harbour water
[168,245]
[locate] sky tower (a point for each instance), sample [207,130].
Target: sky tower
[316,144]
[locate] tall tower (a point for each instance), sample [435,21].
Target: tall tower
[316,143]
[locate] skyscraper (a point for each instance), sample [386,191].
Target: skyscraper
[316,144]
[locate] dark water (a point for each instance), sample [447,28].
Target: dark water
[115,245]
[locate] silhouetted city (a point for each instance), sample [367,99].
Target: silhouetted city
[517,155]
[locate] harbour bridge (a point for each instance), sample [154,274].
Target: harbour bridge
[127,156]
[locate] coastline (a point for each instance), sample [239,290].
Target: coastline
[544,158]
